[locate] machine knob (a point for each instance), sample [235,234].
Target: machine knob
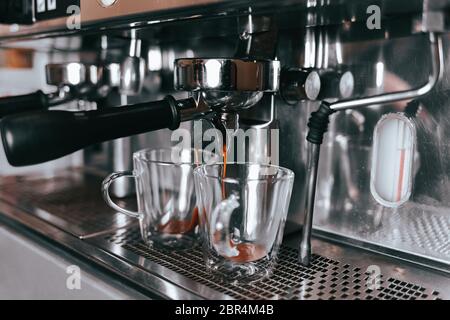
[336,84]
[300,84]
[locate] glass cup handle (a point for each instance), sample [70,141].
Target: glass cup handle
[105,191]
[220,227]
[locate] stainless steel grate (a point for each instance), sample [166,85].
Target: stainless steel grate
[71,201]
[416,228]
[324,279]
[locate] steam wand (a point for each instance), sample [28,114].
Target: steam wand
[318,126]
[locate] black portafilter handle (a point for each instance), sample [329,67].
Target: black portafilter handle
[37,137]
[24,103]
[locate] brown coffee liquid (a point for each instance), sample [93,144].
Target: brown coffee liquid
[248,252]
[175,226]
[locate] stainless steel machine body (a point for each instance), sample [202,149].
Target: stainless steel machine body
[309,39]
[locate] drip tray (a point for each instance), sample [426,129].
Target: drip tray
[71,201]
[325,279]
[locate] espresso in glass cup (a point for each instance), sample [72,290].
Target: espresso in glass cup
[167,206]
[242,211]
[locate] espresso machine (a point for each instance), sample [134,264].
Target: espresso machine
[350,95]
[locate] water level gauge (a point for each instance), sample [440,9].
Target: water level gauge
[393,158]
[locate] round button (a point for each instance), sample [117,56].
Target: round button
[312,85]
[107,3]
[347,85]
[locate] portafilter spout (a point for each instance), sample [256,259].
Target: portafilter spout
[318,126]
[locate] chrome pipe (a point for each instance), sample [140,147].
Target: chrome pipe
[436,73]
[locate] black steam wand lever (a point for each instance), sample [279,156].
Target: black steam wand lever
[23,103]
[318,126]
[33,102]
[37,137]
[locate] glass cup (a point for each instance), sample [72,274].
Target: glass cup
[165,191]
[243,209]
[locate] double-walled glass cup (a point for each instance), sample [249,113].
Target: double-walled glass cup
[166,200]
[243,209]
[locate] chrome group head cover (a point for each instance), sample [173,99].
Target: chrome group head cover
[229,84]
[73,74]
[86,79]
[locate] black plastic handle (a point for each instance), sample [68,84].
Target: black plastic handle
[18,104]
[37,137]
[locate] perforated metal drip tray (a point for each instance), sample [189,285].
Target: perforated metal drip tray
[71,201]
[326,278]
